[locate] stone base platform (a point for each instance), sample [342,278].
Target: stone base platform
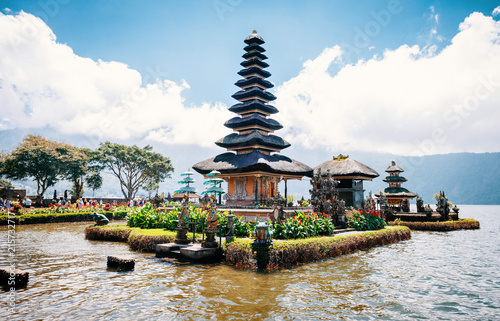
[188,252]
[121,263]
[13,278]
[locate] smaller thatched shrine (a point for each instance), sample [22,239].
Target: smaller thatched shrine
[397,197]
[350,175]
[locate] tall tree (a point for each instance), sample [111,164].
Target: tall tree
[151,185]
[94,181]
[80,164]
[133,165]
[36,157]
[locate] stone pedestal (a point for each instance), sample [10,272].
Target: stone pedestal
[209,241]
[121,263]
[181,237]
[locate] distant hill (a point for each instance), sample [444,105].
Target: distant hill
[466,178]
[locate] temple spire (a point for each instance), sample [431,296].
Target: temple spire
[252,127]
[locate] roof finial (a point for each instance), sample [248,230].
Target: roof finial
[254,31]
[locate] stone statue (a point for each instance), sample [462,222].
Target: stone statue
[420,205]
[100,219]
[324,198]
[157,200]
[442,206]
[183,217]
[406,206]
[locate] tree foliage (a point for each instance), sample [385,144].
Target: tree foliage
[39,158]
[94,181]
[133,165]
[5,184]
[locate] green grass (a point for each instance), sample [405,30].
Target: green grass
[143,240]
[461,224]
[58,217]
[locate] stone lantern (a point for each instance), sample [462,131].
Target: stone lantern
[262,243]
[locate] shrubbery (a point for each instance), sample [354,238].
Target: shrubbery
[148,217]
[303,225]
[367,220]
[288,253]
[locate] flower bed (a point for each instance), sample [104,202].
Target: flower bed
[461,224]
[148,217]
[366,220]
[289,253]
[303,225]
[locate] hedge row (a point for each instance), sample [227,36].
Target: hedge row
[142,240]
[57,218]
[284,254]
[461,224]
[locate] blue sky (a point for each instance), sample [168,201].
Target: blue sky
[351,77]
[200,41]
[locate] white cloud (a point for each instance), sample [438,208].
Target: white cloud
[44,83]
[410,101]
[496,11]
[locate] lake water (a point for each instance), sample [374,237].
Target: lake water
[435,275]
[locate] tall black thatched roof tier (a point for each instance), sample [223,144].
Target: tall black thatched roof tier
[255,93]
[229,163]
[254,54]
[254,81]
[343,166]
[263,123]
[254,62]
[254,105]
[254,71]
[267,142]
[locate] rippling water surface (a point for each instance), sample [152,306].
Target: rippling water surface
[435,275]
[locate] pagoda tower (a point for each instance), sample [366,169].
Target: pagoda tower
[398,197]
[251,166]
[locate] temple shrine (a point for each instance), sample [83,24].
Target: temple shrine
[251,166]
[350,175]
[397,197]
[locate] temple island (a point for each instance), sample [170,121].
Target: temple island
[252,166]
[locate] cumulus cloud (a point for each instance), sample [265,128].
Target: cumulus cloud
[496,11]
[411,101]
[44,83]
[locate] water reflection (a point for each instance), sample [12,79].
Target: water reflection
[434,275]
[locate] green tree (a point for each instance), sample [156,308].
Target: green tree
[80,165]
[6,184]
[151,185]
[36,157]
[133,165]
[94,181]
